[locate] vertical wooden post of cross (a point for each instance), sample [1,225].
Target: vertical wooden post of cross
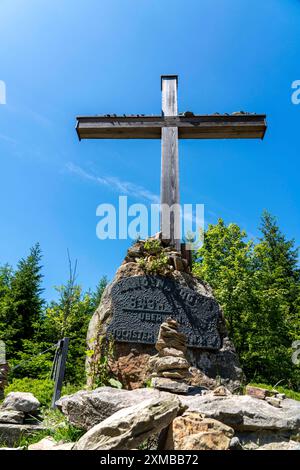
[60,369]
[170,209]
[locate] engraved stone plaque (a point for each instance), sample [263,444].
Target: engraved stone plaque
[142,303]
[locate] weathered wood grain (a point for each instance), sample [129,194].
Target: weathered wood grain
[249,126]
[170,218]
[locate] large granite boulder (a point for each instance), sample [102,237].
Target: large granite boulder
[130,427]
[245,413]
[86,409]
[130,363]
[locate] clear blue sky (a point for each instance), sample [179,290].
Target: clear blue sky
[60,59]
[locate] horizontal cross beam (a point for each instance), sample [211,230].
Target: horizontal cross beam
[215,126]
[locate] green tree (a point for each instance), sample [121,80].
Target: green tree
[224,261]
[96,296]
[276,320]
[21,303]
[257,286]
[69,316]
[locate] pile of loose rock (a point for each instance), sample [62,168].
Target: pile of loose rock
[19,416]
[170,367]
[187,418]
[273,397]
[216,420]
[145,255]
[19,408]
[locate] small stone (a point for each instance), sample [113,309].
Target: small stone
[21,401]
[199,379]
[171,352]
[170,337]
[274,401]
[168,385]
[11,416]
[280,396]
[235,444]
[135,251]
[178,263]
[221,391]
[180,374]
[257,392]
[171,362]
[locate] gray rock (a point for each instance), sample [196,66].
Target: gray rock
[284,445]
[192,431]
[274,401]
[11,416]
[180,374]
[21,401]
[169,385]
[169,363]
[243,412]
[171,352]
[11,433]
[264,440]
[281,396]
[235,444]
[129,427]
[221,391]
[85,409]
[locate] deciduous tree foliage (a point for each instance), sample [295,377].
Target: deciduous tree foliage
[258,287]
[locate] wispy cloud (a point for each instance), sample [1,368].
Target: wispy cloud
[30,114]
[114,183]
[8,139]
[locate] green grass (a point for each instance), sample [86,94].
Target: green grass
[289,393]
[42,389]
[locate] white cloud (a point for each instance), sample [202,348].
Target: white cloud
[115,184]
[8,139]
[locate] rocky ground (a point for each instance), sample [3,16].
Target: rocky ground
[113,418]
[209,420]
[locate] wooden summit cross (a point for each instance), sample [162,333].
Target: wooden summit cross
[169,127]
